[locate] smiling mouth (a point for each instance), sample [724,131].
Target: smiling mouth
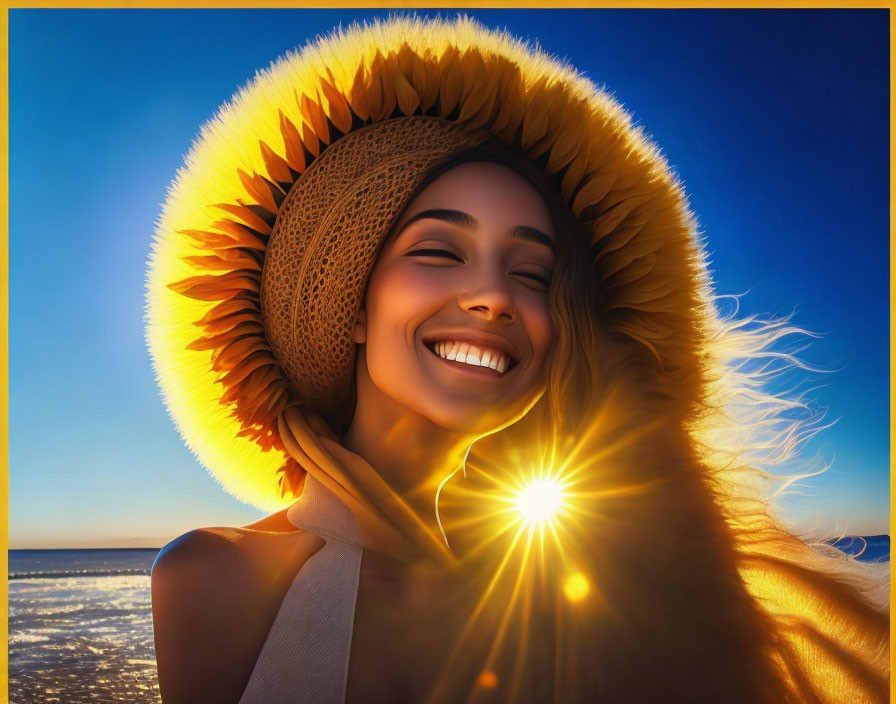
[470,355]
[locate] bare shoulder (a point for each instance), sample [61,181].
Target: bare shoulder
[215,593]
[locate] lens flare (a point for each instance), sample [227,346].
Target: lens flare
[540,500]
[487,679]
[576,587]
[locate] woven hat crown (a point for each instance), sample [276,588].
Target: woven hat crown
[325,240]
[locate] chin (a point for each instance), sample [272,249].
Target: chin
[474,419]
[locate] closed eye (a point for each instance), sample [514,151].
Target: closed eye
[532,275]
[448,254]
[443,253]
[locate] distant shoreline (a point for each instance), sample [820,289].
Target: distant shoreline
[866,548]
[831,541]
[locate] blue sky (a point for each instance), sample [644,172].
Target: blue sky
[776,121]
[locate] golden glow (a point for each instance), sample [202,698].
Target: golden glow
[540,500]
[576,587]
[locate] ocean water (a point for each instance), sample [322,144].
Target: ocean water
[80,627]
[80,623]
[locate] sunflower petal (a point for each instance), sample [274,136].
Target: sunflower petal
[259,188]
[239,234]
[216,327]
[426,78]
[357,97]
[535,120]
[252,362]
[225,358]
[316,118]
[216,262]
[406,96]
[292,143]
[248,216]
[513,106]
[243,329]
[337,106]
[452,81]
[226,308]
[278,169]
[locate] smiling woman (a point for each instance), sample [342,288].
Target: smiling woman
[451,292]
[455,314]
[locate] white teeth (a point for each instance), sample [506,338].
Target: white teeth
[462,353]
[471,354]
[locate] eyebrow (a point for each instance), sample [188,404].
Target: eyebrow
[531,234]
[465,220]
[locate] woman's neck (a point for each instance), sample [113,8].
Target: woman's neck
[410,452]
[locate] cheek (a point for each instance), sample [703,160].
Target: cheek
[398,300]
[540,328]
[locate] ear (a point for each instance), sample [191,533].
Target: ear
[359,332]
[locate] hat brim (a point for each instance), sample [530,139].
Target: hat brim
[204,326]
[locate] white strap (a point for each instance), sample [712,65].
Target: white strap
[306,655]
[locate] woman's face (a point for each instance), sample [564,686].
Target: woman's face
[455,323]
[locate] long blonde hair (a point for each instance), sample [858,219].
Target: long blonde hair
[673,459]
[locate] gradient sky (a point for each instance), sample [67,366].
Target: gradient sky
[776,121]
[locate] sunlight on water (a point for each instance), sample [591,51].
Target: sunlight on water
[79,639]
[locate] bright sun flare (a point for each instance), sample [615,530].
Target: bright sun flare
[539,500]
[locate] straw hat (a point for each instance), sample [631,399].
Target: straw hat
[263,249]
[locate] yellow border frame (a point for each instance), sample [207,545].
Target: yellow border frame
[4,340]
[373,4]
[460,4]
[892,323]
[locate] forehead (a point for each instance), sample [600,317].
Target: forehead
[487,191]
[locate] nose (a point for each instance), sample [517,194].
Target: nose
[489,298]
